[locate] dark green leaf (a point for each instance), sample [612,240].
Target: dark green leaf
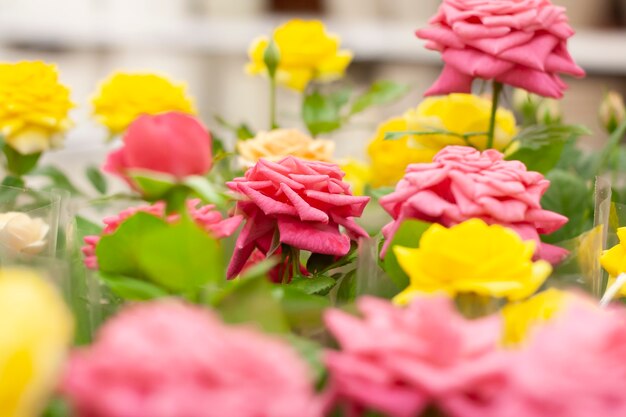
[19,164]
[96,179]
[318,262]
[131,288]
[381,92]
[346,292]
[11,181]
[57,178]
[321,114]
[570,196]
[409,236]
[313,285]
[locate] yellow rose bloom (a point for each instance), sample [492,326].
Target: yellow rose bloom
[279,143]
[461,114]
[122,97]
[614,260]
[358,174]
[36,333]
[471,257]
[307,52]
[391,157]
[520,318]
[34,106]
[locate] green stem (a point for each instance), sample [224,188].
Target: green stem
[273,124]
[497,89]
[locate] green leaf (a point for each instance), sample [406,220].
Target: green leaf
[609,149]
[131,288]
[313,285]
[57,178]
[346,292]
[85,227]
[118,253]
[181,256]
[206,190]
[321,114]
[153,185]
[312,352]
[17,163]
[252,301]
[540,146]
[409,236]
[242,131]
[11,181]
[58,407]
[318,262]
[381,92]
[570,196]
[303,311]
[96,179]
[340,97]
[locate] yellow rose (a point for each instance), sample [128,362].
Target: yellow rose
[21,233]
[461,114]
[471,257]
[614,260]
[36,333]
[358,174]
[307,52]
[279,143]
[391,157]
[123,97]
[521,318]
[34,106]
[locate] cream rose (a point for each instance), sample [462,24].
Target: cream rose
[276,144]
[20,232]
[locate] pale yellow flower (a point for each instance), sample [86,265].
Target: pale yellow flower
[34,106]
[307,52]
[36,333]
[122,97]
[391,157]
[21,233]
[279,143]
[358,174]
[520,318]
[471,257]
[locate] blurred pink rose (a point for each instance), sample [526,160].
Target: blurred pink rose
[462,183]
[167,359]
[170,143]
[397,360]
[517,42]
[206,217]
[573,366]
[305,201]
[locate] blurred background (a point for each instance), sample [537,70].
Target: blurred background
[205,42]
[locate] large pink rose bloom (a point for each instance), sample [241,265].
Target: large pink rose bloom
[306,202]
[170,143]
[397,361]
[573,366]
[517,42]
[462,183]
[167,359]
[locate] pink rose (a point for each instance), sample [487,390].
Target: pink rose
[399,360]
[168,359]
[573,366]
[462,183]
[306,202]
[170,143]
[206,217]
[517,42]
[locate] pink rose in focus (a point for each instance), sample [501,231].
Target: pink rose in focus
[462,183]
[397,360]
[522,43]
[306,202]
[573,366]
[167,359]
[171,143]
[206,217]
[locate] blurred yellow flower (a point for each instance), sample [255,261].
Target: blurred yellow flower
[36,333]
[307,52]
[122,97]
[358,174]
[461,114]
[520,318]
[614,260]
[391,157]
[34,106]
[279,143]
[471,257]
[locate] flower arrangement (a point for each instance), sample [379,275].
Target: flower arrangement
[249,278]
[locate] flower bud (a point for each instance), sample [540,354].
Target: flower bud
[549,112]
[612,111]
